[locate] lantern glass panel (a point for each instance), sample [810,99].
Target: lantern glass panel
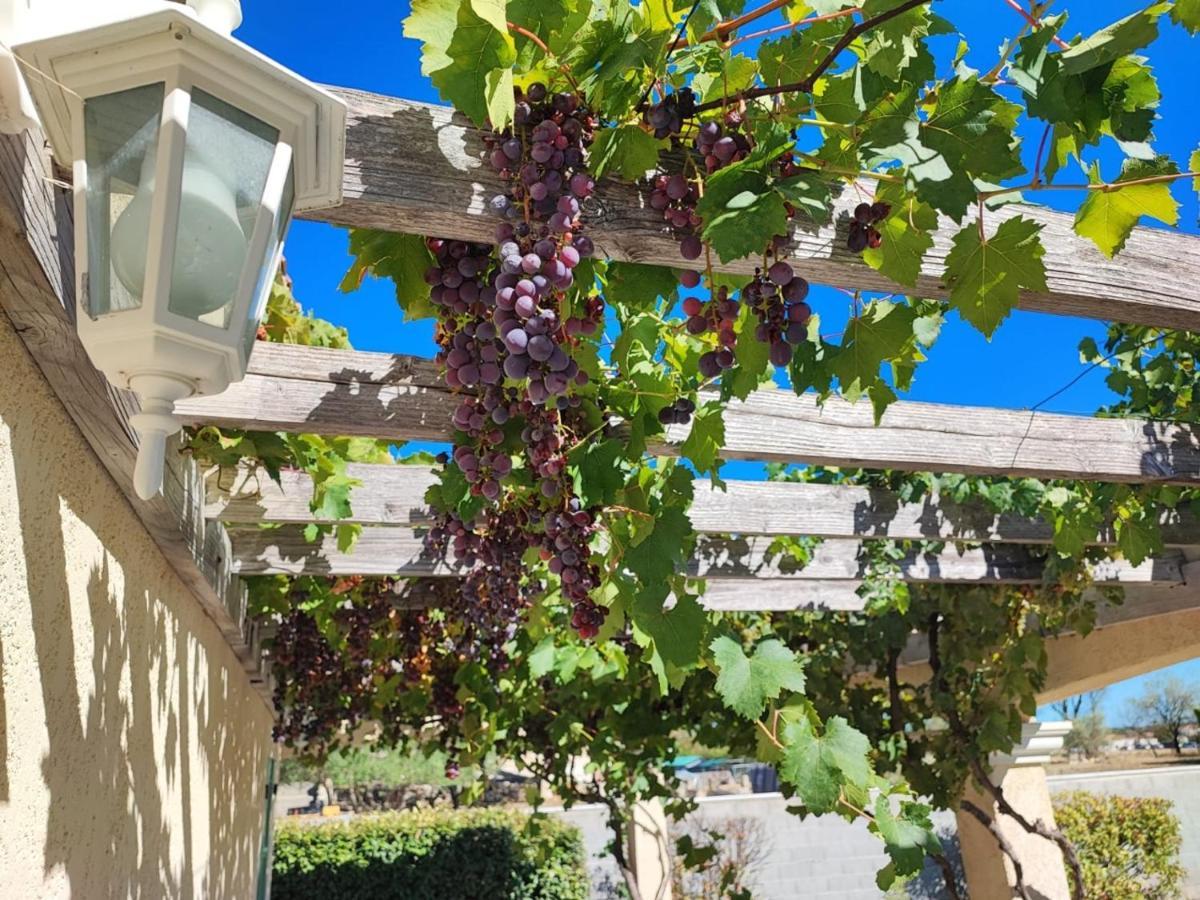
[226,161]
[266,273]
[120,143]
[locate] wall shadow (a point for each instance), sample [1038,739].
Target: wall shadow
[151,783]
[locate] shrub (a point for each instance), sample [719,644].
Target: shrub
[455,854]
[1128,846]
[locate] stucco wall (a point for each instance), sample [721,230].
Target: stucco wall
[134,749]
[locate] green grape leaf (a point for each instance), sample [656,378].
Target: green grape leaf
[752,355]
[432,22]
[747,683]
[637,286]
[1108,217]
[678,632]
[1137,538]
[732,73]
[987,276]
[1113,42]
[660,554]
[706,437]
[403,258]
[907,235]
[881,333]
[740,209]
[892,46]
[907,837]
[819,765]
[971,126]
[598,472]
[1194,166]
[478,80]
[625,150]
[1187,14]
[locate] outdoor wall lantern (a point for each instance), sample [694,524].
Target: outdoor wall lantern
[190,153]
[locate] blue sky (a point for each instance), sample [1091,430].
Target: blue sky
[360,45]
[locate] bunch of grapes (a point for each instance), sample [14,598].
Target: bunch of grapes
[459,276]
[667,116]
[676,198]
[863,233]
[566,544]
[718,316]
[719,146]
[678,413]
[777,299]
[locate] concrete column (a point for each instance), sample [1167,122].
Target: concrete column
[649,850]
[1022,777]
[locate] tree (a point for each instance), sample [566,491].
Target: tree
[1089,735]
[1071,708]
[1166,706]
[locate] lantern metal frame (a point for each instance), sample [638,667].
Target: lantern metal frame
[151,349]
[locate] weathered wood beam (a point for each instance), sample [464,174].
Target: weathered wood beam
[400,551]
[37,292]
[1155,626]
[395,495]
[397,397]
[414,167]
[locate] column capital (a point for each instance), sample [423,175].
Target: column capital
[1039,742]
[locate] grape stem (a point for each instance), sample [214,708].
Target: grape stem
[806,85]
[1105,186]
[562,67]
[792,26]
[1035,22]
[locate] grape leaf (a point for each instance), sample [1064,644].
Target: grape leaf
[907,837]
[706,437]
[819,765]
[660,554]
[880,333]
[1108,217]
[403,258]
[1113,42]
[752,356]
[432,22]
[971,126]
[678,632]
[740,209]
[986,276]
[892,46]
[1194,166]
[907,235]
[478,80]
[1187,14]
[732,73]
[1137,538]
[598,471]
[638,286]
[625,150]
[746,683]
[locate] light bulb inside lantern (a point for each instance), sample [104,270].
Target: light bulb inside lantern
[210,247]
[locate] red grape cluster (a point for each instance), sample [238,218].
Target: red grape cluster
[460,275]
[863,233]
[777,299]
[324,687]
[566,541]
[719,316]
[678,413]
[667,116]
[676,198]
[721,146]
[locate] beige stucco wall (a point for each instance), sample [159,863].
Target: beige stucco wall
[133,748]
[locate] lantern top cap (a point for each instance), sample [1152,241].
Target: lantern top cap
[175,43]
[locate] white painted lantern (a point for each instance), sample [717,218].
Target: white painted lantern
[191,152]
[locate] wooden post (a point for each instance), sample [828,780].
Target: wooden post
[1021,776]
[649,850]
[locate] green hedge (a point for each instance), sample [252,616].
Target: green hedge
[453,854]
[1128,846]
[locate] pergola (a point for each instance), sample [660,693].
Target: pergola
[416,168]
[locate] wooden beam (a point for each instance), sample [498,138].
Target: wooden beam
[37,292]
[414,167]
[1155,626]
[400,551]
[398,398]
[395,495]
